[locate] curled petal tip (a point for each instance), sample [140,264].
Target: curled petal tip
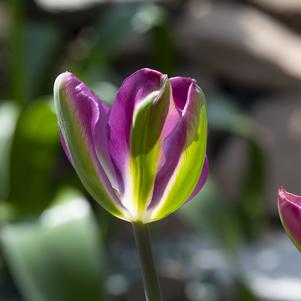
[66,80]
[281,194]
[281,190]
[151,72]
[63,77]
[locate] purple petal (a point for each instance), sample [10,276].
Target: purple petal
[289,206]
[182,180]
[101,132]
[180,88]
[132,91]
[174,142]
[79,111]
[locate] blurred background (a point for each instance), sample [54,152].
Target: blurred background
[56,244]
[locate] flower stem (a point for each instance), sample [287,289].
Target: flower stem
[150,278]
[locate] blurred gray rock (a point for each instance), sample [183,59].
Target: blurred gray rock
[240,44]
[72,5]
[287,6]
[289,10]
[279,122]
[230,167]
[172,290]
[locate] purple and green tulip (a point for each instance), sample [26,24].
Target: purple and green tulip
[289,206]
[145,156]
[142,158]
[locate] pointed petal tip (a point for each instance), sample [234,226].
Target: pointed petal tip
[61,82]
[151,72]
[64,76]
[285,196]
[281,198]
[65,80]
[281,192]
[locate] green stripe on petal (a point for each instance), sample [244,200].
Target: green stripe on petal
[77,113]
[148,122]
[189,168]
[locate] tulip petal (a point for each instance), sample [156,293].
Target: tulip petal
[173,144]
[65,148]
[133,90]
[146,143]
[78,111]
[101,133]
[202,180]
[180,88]
[289,206]
[189,140]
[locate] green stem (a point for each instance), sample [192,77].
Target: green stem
[150,278]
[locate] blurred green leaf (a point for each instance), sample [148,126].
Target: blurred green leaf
[8,119]
[164,53]
[110,31]
[243,291]
[226,116]
[32,49]
[33,156]
[58,255]
[17,51]
[252,209]
[42,44]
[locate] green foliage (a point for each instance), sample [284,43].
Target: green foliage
[17,49]
[32,160]
[243,292]
[46,39]
[110,31]
[8,118]
[57,256]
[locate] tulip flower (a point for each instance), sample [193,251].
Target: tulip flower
[142,158]
[289,206]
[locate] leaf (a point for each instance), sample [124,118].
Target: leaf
[56,256]
[45,39]
[110,31]
[8,118]
[225,116]
[252,207]
[32,161]
[243,291]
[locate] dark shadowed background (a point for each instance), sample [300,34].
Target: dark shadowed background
[57,244]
